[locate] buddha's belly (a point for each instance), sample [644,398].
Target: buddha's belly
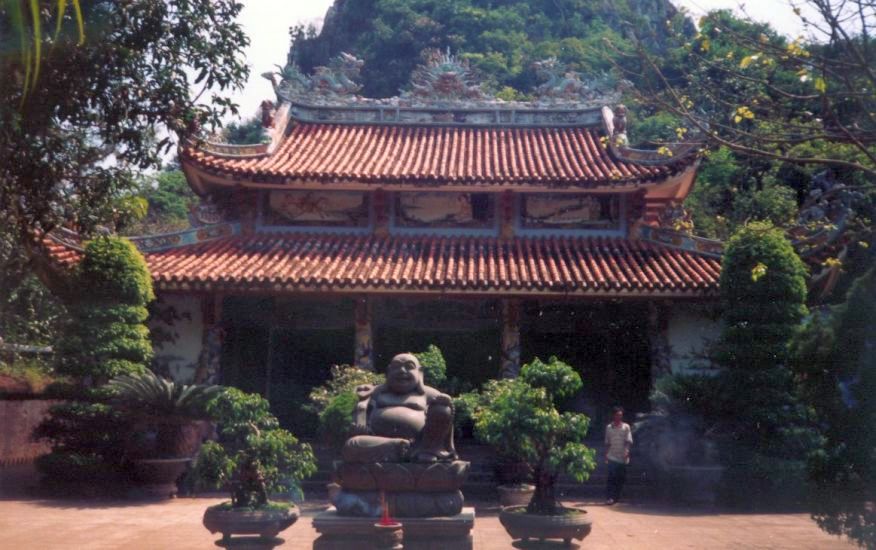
[397,422]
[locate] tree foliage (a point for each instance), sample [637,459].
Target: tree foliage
[765,430]
[106,335]
[86,438]
[521,420]
[73,136]
[434,366]
[29,313]
[501,40]
[748,88]
[244,132]
[763,296]
[167,201]
[253,455]
[344,379]
[835,357]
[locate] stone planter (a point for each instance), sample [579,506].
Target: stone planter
[261,526]
[518,494]
[510,473]
[167,437]
[157,477]
[572,525]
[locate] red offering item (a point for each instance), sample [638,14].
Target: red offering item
[385,519]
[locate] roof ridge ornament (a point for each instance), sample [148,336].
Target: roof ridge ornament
[444,78]
[565,86]
[334,83]
[445,81]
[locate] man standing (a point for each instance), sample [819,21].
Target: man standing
[618,440]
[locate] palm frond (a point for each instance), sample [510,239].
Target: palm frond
[150,394]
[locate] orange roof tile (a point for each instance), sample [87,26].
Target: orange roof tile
[302,262]
[437,155]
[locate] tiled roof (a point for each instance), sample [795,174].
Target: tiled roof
[287,262]
[437,155]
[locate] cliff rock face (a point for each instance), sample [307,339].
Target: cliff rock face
[500,38]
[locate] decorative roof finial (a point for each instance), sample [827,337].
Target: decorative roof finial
[443,78]
[562,86]
[337,80]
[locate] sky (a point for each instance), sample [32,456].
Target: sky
[267,23]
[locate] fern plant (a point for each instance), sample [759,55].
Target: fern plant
[163,413]
[147,394]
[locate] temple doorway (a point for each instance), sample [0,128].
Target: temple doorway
[606,342]
[283,348]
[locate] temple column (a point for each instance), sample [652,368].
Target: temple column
[208,369]
[510,338]
[658,341]
[364,352]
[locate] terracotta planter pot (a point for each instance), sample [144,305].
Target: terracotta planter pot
[518,494]
[509,473]
[157,477]
[167,438]
[521,525]
[266,524]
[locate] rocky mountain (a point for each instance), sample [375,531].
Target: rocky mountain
[500,38]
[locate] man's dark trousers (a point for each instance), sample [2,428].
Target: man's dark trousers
[617,475]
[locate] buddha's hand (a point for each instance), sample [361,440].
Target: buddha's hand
[442,399]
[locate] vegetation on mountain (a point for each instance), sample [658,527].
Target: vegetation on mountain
[501,40]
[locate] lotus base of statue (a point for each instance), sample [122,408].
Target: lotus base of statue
[412,490]
[337,532]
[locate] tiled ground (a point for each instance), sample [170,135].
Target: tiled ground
[91,524]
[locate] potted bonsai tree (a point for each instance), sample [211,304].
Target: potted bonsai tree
[521,419]
[252,458]
[168,422]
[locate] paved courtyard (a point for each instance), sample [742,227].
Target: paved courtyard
[94,524]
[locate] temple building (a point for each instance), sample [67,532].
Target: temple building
[499,231]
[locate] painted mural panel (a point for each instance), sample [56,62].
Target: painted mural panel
[555,211]
[318,208]
[475,210]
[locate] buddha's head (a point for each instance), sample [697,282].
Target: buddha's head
[404,374]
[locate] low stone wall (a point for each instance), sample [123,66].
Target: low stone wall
[18,418]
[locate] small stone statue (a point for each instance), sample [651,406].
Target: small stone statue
[402,420]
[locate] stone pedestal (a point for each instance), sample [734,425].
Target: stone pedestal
[408,489]
[437,533]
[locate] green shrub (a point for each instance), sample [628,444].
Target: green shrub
[344,379]
[522,422]
[107,336]
[434,366]
[336,420]
[464,408]
[752,403]
[253,455]
[556,377]
[87,441]
[32,375]
[835,358]
[763,295]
